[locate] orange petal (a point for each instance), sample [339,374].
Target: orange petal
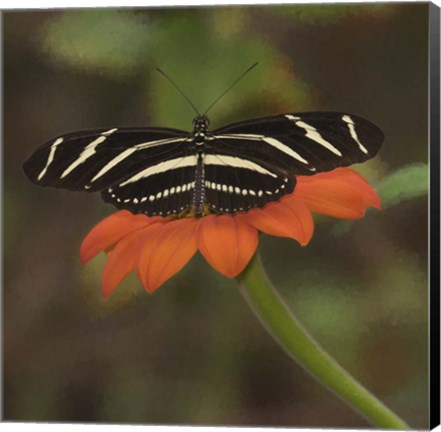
[358,182]
[286,218]
[166,249]
[121,261]
[110,230]
[341,193]
[369,193]
[227,243]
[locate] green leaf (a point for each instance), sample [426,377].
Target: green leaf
[402,185]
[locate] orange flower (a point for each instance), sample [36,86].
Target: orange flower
[157,248]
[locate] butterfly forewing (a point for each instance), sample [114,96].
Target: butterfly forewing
[303,143]
[94,160]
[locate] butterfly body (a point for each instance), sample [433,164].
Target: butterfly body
[160,171]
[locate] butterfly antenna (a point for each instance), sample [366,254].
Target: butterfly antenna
[179,90]
[229,88]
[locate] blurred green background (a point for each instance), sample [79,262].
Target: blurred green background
[193,352]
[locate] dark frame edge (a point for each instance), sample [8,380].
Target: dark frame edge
[434,163]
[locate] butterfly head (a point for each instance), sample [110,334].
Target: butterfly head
[201,123]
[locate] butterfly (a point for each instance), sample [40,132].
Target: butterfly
[163,171]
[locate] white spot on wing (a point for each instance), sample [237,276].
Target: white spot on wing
[162,167]
[288,150]
[50,157]
[236,162]
[271,141]
[88,151]
[312,133]
[85,154]
[109,132]
[149,144]
[351,125]
[115,161]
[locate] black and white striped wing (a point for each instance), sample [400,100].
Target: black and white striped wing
[302,143]
[130,166]
[252,163]
[234,184]
[161,189]
[240,166]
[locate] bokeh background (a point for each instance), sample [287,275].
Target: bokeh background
[193,352]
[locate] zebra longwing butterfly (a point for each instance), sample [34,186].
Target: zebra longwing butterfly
[161,171]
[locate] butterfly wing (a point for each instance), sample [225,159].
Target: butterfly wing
[233,183]
[160,189]
[256,162]
[122,163]
[303,143]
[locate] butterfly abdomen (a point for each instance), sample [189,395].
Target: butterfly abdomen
[199,189]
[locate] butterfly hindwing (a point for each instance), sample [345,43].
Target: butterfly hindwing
[161,189]
[234,184]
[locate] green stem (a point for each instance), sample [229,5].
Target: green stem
[287,330]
